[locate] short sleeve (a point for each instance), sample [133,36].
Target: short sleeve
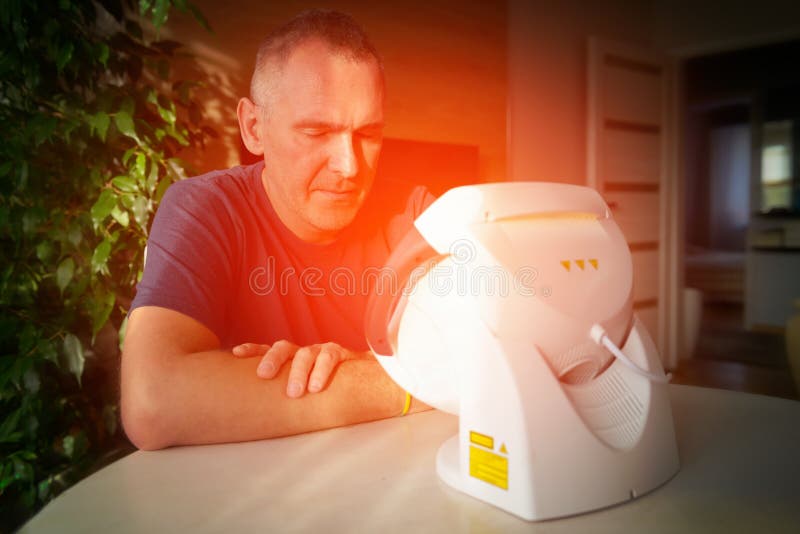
[420,199]
[188,267]
[412,200]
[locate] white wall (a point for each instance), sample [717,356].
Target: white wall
[547,51]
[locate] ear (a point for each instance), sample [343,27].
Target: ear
[250,123]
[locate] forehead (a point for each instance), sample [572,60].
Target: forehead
[316,80]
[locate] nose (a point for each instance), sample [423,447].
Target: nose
[343,160]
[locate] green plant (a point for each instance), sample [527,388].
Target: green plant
[91,124]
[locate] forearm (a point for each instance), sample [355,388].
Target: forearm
[213,397]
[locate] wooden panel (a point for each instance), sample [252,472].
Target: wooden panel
[632,95]
[630,157]
[645,275]
[636,213]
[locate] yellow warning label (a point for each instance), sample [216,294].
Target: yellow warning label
[594,263]
[481,439]
[565,263]
[503,449]
[580,263]
[488,467]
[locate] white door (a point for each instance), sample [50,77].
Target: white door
[628,147]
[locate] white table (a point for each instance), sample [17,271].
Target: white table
[740,472]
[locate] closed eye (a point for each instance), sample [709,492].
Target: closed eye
[314,132]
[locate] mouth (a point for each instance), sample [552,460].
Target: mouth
[340,195]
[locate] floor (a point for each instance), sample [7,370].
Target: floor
[729,357]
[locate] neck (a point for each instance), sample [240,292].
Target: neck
[304,232]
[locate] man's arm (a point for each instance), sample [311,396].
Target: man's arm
[178,388]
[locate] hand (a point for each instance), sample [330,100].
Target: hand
[311,366]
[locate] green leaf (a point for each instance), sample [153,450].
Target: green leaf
[122,329]
[121,216]
[27,342]
[200,18]
[6,475]
[152,97]
[99,122]
[177,168]
[140,212]
[23,471]
[160,13]
[101,310]
[31,381]
[127,155]
[102,54]
[127,200]
[162,188]
[47,350]
[75,445]
[124,124]
[31,220]
[125,183]
[68,443]
[8,428]
[141,166]
[74,235]
[152,178]
[43,489]
[144,6]
[64,56]
[44,250]
[103,206]
[178,136]
[64,273]
[100,255]
[22,183]
[41,127]
[167,114]
[73,354]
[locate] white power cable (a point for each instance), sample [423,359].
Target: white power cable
[599,336]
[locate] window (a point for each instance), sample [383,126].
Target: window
[776,166]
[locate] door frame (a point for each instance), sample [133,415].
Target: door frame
[671,226]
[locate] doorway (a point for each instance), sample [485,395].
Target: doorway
[726,99]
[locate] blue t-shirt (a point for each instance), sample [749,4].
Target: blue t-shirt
[218,252]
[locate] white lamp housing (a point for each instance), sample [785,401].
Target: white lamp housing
[505,282]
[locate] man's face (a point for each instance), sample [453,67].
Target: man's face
[321,134]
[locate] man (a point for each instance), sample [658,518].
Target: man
[247,323]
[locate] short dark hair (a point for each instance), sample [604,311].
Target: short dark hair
[337,30]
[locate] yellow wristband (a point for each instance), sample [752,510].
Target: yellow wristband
[407,404]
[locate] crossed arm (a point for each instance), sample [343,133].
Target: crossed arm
[179,388]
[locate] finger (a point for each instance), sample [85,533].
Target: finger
[330,354]
[357,355]
[274,358]
[249,350]
[301,367]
